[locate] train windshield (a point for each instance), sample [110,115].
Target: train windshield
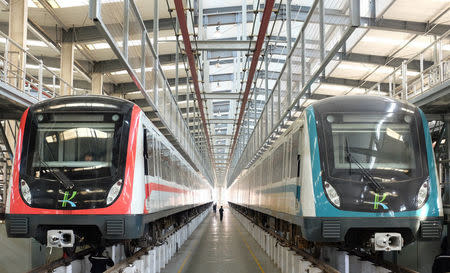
[76,147]
[384,145]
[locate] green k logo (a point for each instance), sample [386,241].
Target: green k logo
[66,199]
[378,202]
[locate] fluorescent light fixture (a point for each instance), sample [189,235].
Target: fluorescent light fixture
[29,42]
[35,66]
[148,69]
[34,4]
[393,41]
[36,43]
[53,3]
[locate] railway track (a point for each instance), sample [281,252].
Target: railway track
[285,257]
[291,259]
[155,256]
[79,258]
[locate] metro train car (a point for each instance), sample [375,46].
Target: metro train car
[354,170]
[96,168]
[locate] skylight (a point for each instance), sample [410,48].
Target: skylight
[65,3]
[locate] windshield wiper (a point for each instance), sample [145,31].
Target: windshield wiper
[377,186]
[63,179]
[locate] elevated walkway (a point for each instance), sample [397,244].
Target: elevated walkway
[13,101]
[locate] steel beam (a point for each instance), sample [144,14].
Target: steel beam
[221,96]
[115,65]
[228,45]
[191,59]
[52,13]
[221,121]
[88,34]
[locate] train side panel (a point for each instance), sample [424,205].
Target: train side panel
[138,193]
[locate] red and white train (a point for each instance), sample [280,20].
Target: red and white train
[95,168]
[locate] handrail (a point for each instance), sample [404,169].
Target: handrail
[402,90]
[28,78]
[166,109]
[283,106]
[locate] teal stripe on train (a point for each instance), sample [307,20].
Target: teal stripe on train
[280,189]
[325,209]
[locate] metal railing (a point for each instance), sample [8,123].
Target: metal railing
[6,157]
[328,25]
[30,78]
[127,35]
[405,82]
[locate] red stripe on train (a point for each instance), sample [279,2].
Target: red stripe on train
[158,187]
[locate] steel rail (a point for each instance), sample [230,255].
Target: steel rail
[144,251]
[63,261]
[322,264]
[251,73]
[191,60]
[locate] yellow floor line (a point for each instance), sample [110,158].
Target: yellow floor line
[250,250]
[184,262]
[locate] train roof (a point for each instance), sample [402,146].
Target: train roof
[361,104]
[83,103]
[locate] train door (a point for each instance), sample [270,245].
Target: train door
[151,175]
[157,149]
[286,174]
[296,163]
[147,177]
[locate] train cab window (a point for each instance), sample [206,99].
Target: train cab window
[80,146]
[381,143]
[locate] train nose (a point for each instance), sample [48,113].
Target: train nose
[387,241]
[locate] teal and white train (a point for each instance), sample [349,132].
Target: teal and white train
[353,169]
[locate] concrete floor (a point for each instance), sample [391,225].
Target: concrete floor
[15,254]
[221,247]
[19,255]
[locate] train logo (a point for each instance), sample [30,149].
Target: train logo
[378,202]
[66,200]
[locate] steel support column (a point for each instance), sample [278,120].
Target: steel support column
[18,16]
[188,93]
[177,60]
[289,47]
[266,85]
[156,48]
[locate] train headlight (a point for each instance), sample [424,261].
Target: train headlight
[422,194]
[25,190]
[114,192]
[332,194]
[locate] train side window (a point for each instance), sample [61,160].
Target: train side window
[277,164]
[165,162]
[295,154]
[145,152]
[151,154]
[157,156]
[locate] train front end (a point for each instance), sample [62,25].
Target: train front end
[73,172]
[374,177]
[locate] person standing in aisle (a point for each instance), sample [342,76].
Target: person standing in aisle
[214,207]
[221,213]
[100,262]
